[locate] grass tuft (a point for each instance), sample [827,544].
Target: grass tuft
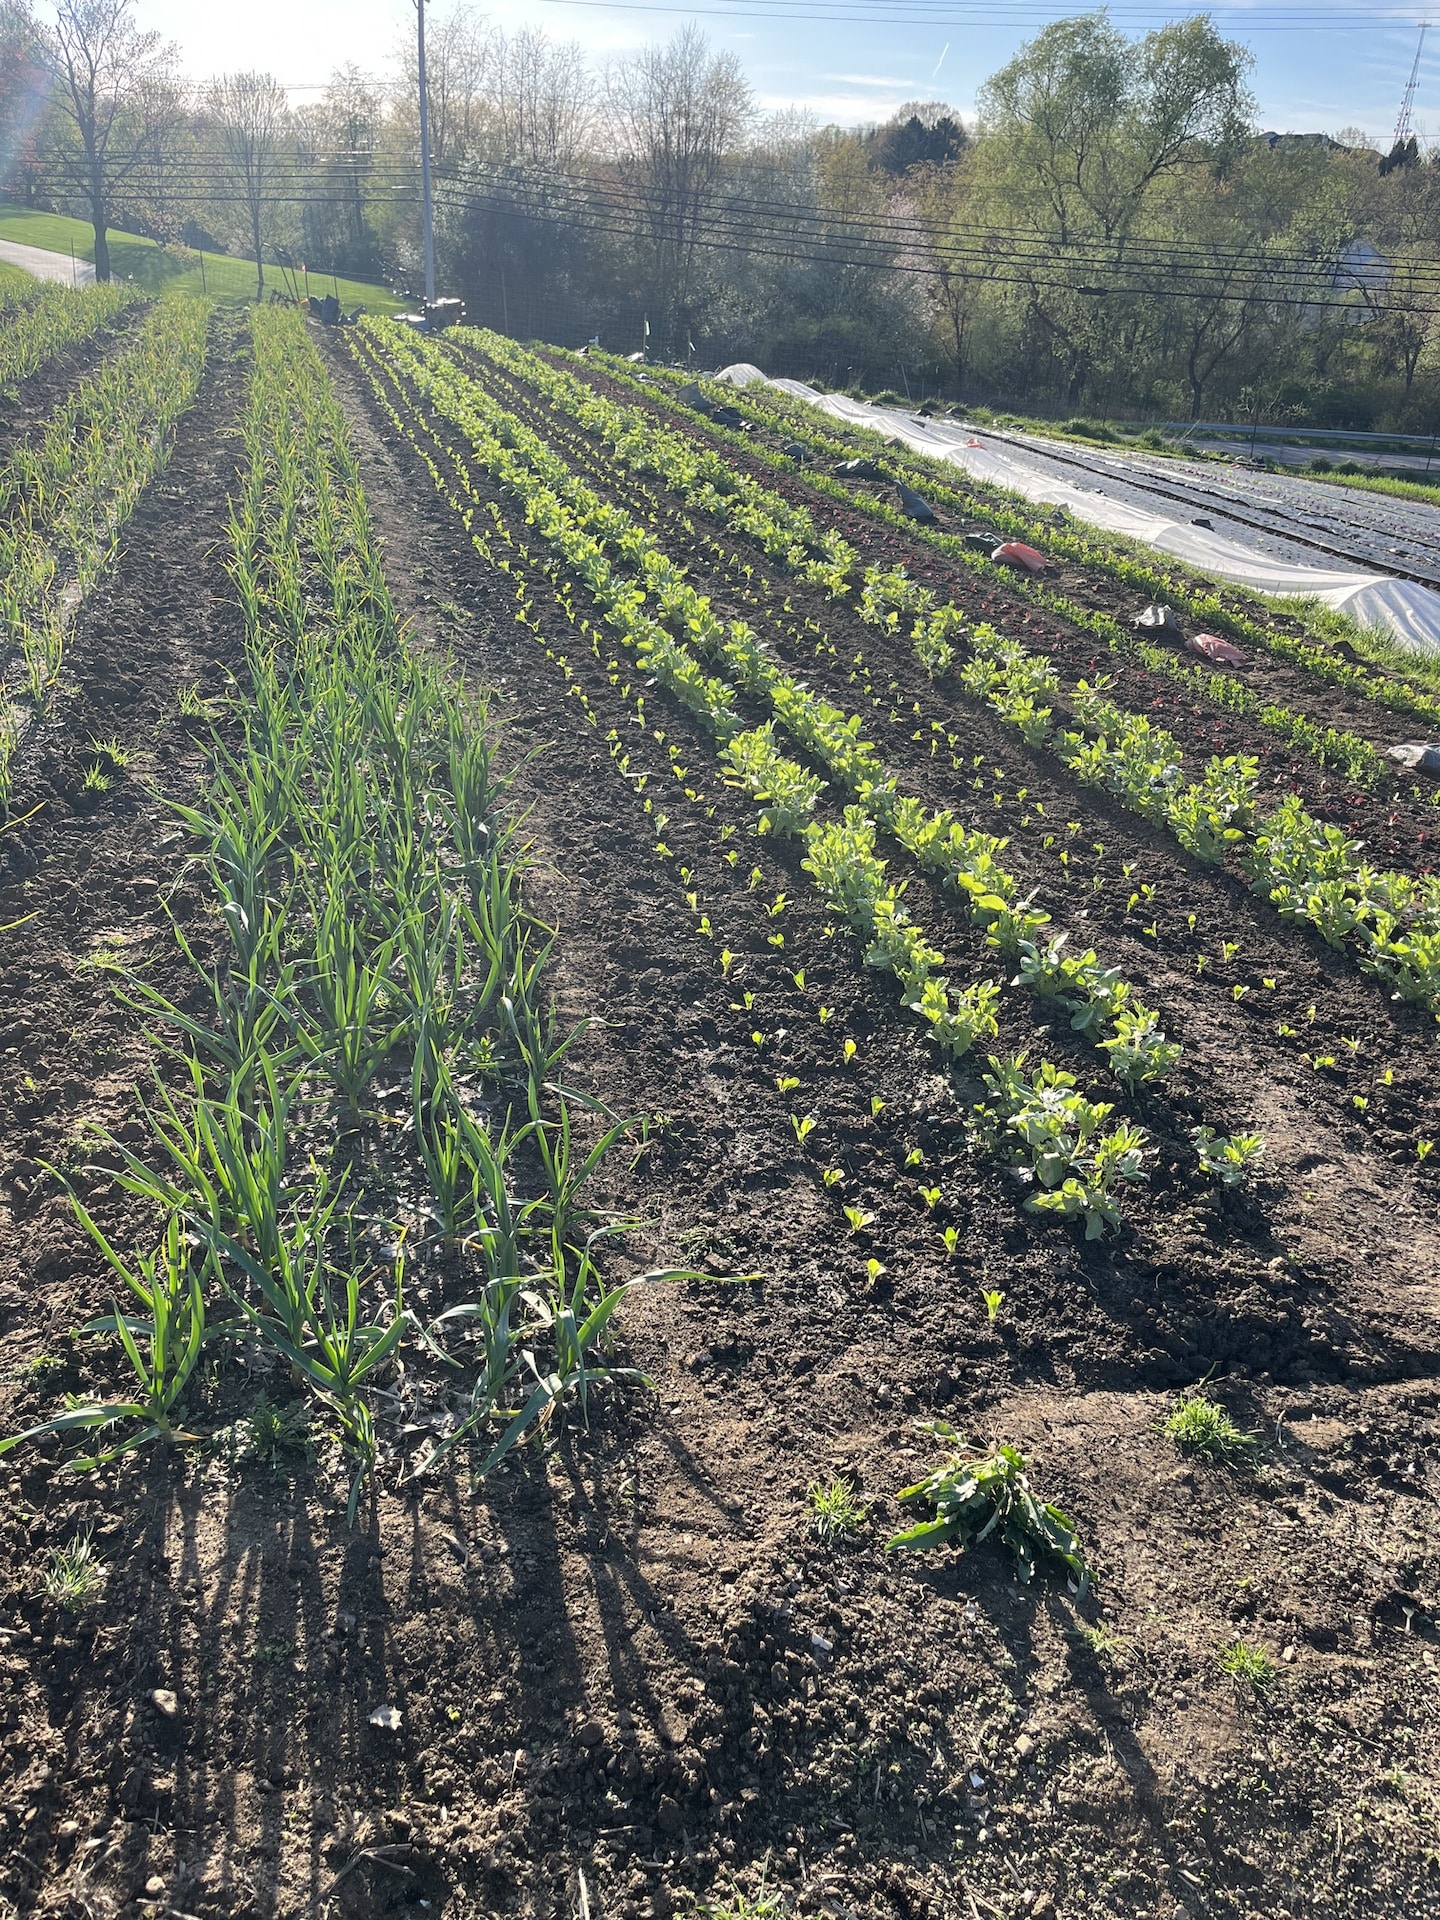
[75,1576]
[111,750]
[762,1905]
[276,1430]
[1203,1427]
[836,1515]
[1251,1664]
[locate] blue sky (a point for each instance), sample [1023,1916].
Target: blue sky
[1308,75]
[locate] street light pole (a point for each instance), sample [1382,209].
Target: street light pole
[428,209]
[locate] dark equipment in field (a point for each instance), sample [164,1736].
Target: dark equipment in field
[435,316]
[915,504]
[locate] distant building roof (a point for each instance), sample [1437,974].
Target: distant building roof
[1311,140]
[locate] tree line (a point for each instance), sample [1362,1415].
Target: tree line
[1112,233]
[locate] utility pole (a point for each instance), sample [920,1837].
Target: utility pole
[428,211]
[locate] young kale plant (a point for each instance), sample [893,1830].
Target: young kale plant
[973,1496]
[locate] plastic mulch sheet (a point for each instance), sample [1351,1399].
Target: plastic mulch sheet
[1408,611]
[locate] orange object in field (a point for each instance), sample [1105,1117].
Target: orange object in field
[1015,553]
[1211,647]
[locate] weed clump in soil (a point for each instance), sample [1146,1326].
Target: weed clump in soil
[1203,1427]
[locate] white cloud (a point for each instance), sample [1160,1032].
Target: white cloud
[865,80]
[844,109]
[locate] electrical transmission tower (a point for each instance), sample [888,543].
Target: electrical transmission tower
[1406,117]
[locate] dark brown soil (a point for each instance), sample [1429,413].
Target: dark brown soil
[626,1672]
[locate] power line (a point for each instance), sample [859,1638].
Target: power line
[1019,13]
[1275,294]
[1003,273]
[211,177]
[616,207]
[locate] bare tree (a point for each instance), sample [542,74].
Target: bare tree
[119,95]
[497,99]
[337,142]
[544,100]
[461,63]
[251,116]
[677,112]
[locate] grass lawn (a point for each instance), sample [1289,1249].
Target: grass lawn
[176,269]
[1395,484]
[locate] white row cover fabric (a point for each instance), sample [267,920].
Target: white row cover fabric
[46,265]
[1409,612]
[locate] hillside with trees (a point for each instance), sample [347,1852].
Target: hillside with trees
[1111,234]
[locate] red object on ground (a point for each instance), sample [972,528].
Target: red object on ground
[1015,553]
[1211,647]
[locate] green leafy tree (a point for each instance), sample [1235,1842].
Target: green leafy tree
[25,83]
[1083,129]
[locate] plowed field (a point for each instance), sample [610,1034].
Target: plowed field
[623,1670]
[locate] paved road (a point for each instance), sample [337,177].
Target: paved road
[47,266]
[1422,464]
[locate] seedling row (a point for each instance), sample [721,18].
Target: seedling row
[378,979]
[1362,1101]
[52,318]
[65,498]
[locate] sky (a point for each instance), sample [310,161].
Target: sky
[1320,65]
